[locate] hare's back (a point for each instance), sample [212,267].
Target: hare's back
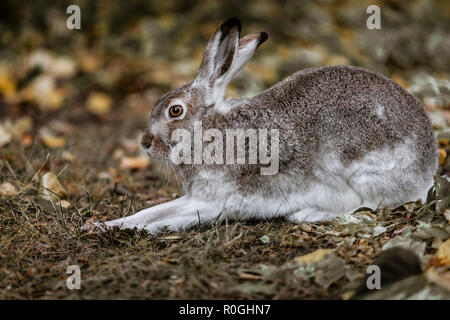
[357,110]
[349,112]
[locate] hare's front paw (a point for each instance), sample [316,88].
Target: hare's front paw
[311,215]
[127,223]
[176,215]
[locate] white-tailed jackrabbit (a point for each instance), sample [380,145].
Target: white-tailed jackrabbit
[346,138]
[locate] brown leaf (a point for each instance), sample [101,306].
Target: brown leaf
[139,162]
[50,139]
[442,156]
[51,188]
[7,189]
[248,276]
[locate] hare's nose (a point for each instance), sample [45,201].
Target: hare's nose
[147,139]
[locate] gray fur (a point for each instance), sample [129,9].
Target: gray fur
[349,137]
[320,111]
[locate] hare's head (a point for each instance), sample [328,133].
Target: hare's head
[225,55]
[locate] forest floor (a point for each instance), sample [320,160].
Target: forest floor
[105,177]
[70,122]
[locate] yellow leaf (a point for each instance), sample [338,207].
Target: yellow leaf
[7,86]
[89,62]
[347,295]
[51,188]
[443,253]
[442,278]
[54,142]
[99,103]
[315,256]
[134,162]
[442,156]
[54,100]
[50,140]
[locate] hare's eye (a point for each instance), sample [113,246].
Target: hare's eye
[175,111]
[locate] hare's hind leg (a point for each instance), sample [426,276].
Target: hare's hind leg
[391,180]
[175,215]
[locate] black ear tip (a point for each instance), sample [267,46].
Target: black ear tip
[232,22]
[263,36]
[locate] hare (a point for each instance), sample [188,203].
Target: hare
[347,138]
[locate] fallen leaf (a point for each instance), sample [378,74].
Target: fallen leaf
[5,136]
[265,239]
[347,295]
[7,189]
[62,67]
[99,103]
[67,156]
[313,257]
[379,230]
[89,62]
[20,126]
[139,162]
[447,215]
[440,278]
[443,142]
[54,142]
[7,86]
[51,140]
[65,204]
[43,90]
[40,58]
[10,130]
[51,188]
[443,253]
[409,206]
[248,276]
[442,156]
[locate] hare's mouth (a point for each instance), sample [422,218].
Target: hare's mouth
[158,150]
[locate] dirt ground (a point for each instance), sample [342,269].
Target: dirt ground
[75,106]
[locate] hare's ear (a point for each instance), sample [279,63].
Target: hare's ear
[218,58]
[224,57]
[246,49]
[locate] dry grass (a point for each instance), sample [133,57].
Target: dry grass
[38,239]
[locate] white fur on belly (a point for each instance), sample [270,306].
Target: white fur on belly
[387,177]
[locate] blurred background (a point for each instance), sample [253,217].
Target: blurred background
[76,94]
[126,51]
[73,104]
